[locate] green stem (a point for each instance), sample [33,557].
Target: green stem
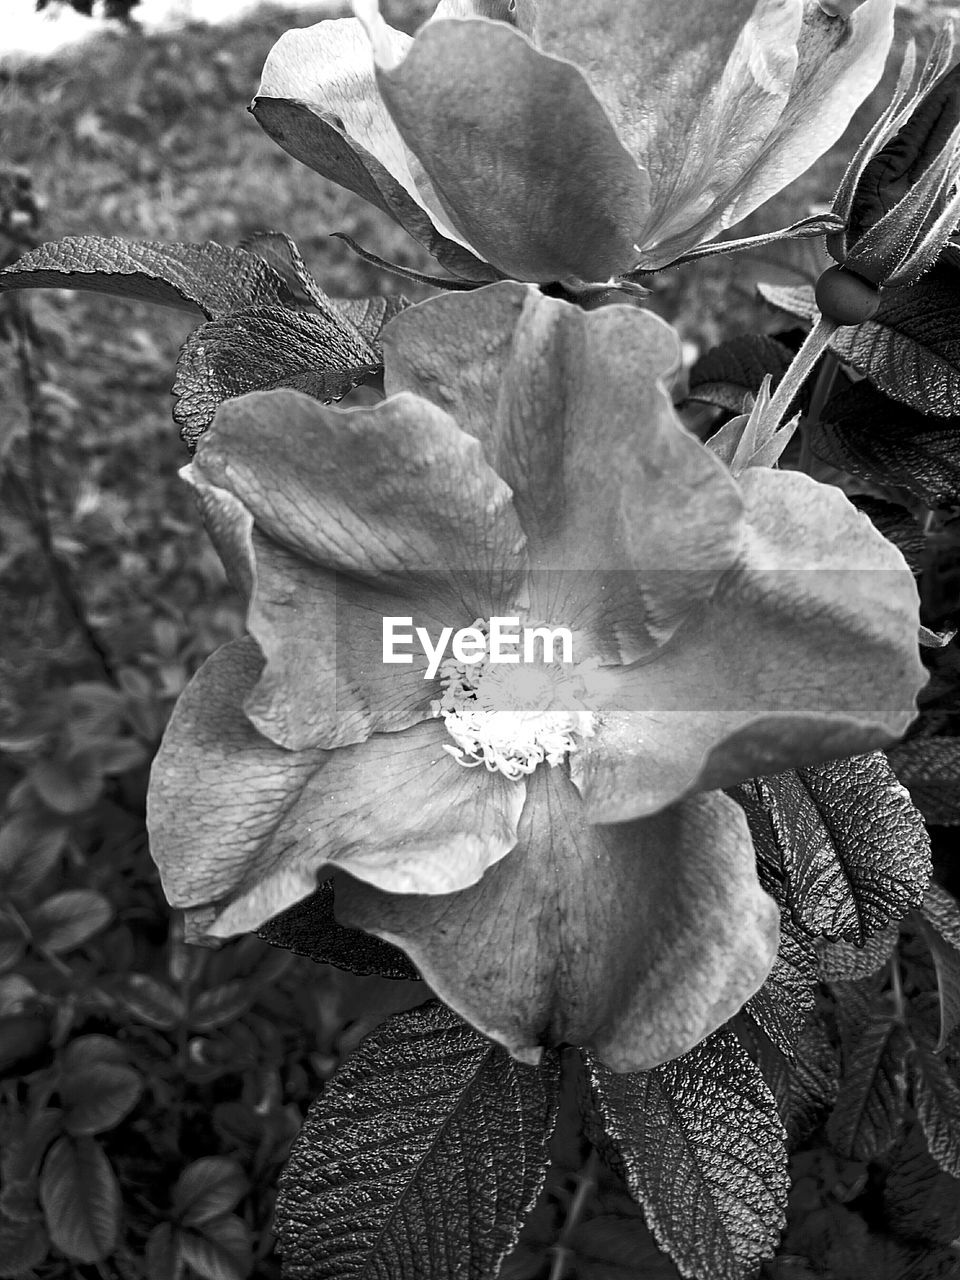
[814,345]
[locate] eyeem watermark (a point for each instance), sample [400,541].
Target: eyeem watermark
[503,641]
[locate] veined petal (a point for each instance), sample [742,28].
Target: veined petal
[694,89]
[390,512]
[806,652]
[522,156]
[571,410]
[240,827]
[318,99]
[636,940]
[841,61]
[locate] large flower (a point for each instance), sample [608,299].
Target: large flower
[542,141]
[586,880]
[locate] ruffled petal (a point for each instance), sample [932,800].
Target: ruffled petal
[841,60]
[240,828]
[630,520]
[318,99]
[636,940]
[807,652]
[694,89]
[388,512]
[522,157]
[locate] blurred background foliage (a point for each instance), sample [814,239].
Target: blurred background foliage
[149,1092]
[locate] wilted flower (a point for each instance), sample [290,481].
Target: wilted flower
[899,199]
[586,880]
[534,141]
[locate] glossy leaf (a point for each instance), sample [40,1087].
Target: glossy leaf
[309,928]
[852,849]
[81,1199]
[208,279]
[164,1253]
[701,1145]
[920,1201]
[868,434]
[421,1158]
[152,1002]
[220,1249]
[220,1005]
[98,1096]
[814,1081]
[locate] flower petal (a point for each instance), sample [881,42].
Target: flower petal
[693,89]
[627,515]
[318,99]
[841,60]
[357,515]
[637,940]
[807,652]
[242,824]
[522,156]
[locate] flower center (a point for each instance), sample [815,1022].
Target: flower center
[511,717]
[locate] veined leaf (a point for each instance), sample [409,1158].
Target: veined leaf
[309,928]
[853,851]
[220,1249]
[842,961]
[726,374]
[260,348]
[421,1158]
[869,1110]
[208,279]
[208,1188]
[910,349]
[939,920]
[937,1100]
[98,1096]
[920,1201]
[869,434]
[68,919]
[930,770]
[81,1199]
[814,1081]
[702,1148]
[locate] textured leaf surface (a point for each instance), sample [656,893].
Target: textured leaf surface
[727,373]
[206,278]
[701,1145]
[852,849]
[870,1104]
[207,1189]
[910,350]
[869,434]
[839,960]
[309,928]
[419,1161]
[814,1081]
[937,1100]
[219,1250]
[323,356]
[930,770]
[939,921]
[921,1201]
[81,1199]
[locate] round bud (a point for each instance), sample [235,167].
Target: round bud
[845,297]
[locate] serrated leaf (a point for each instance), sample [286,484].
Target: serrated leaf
[96,1097]
[781,1006]
[68,919]
[937,1101]
[814,1081]
[910,350]
[219,1250]
[261,348]
[421,1158]
[206,278]
[310,929]
[219,1005]
[163,1254]
[81,1199]
[930,770]
[898,525]
[920,1201]
[208,1188]
[868,434]
[871,1101]
[939,921]
[726,374]
[152,1002]
[702,1148]
[853,850]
